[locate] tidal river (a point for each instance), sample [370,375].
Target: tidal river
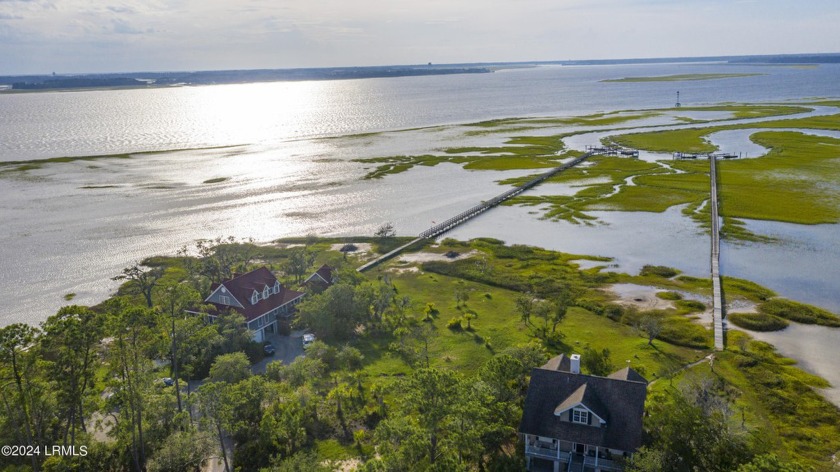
[273,160]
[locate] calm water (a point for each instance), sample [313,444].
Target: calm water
[68,228]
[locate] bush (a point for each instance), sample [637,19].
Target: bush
[613,311]
[690,306]
[454,324]
[591,305]
[658,271]
[255,352]
[669,295]
[757,321]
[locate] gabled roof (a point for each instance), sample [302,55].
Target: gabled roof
[243,286]
[627,374]
[585,397]
[324,273]
[620,402]
[560,362]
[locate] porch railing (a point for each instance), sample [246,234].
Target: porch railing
[547,453]
[603,464]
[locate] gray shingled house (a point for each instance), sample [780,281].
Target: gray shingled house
[581,422]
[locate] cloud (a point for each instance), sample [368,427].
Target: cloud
[7,16]
[121,26]
[120,9]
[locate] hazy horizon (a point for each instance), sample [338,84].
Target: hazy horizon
[103,36]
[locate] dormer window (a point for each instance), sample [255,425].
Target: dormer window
[266,292]
[255,297]
[276,287]
[580,416]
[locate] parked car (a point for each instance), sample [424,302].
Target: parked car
[269,349]
[308,339]
[167,381]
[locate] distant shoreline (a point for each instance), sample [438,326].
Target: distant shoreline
[180,79]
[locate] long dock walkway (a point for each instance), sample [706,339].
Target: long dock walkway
[467,215]
[717,295]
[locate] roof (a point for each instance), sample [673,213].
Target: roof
[324,273]
[243,286]
[627,374]
[560,362]
[586,397]
[619,401]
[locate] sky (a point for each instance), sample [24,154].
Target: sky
[76,36]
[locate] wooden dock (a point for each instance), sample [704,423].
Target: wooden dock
[717,155]
[465,216]
[613,150]
[717,293]
[476,210]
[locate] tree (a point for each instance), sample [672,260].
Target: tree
[333,314]
[134,333]
[216,410]
[505,377]
[690,432]
[525,306]
[222,257]
[230,368]
[462,294]
[182,451]
[141,278]
[69,344]
[173,300]
[299,262]
[562,302]
[234,331]
[597,362]
[385,231]
[545,310]
[771,463]
[16,340]
[431,394]
[284,424]
[299,462]
[651,326]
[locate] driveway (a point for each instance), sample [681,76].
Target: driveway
[288,349]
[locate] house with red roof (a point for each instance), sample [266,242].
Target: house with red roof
[324,276]
[264,302]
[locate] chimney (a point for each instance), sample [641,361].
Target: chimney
[574,363]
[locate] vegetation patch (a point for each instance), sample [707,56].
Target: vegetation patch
[799,312]
[757,321]
[680,77]
[216,180]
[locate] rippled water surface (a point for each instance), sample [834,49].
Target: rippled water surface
[286,169]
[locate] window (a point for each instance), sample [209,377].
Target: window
[255,298]
[580,416]
[265,292]
[277,287]
[224,300]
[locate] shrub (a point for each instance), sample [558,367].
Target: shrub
[757,321]
[659,271]
[591,305]
[669,295]
[613,311]
[255,352]
[690,306]
[454,324]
